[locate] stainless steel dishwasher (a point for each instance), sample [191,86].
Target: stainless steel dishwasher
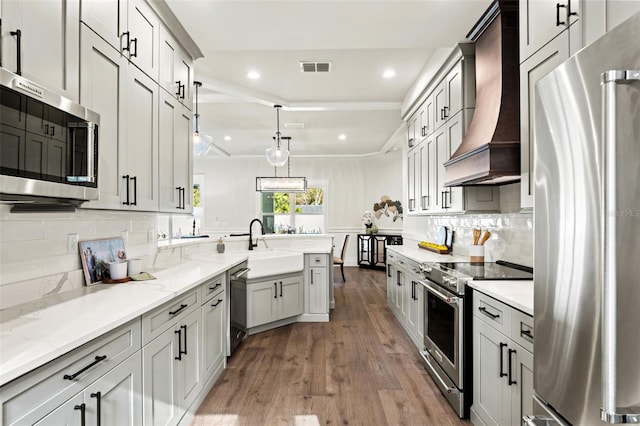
[237,306]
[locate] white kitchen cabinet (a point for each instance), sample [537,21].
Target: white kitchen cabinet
[424,184]
[49,38]
[451,96]
[174,154]
[533,69]
[502,367]
[71,413]
[413,177]
[600,16]
[391,279]
[130,26]
[175,69]
[405,296]
[274,299]
[426,118]
[317,284]
[213,335]
[414,298]
[171,369]
[412,130]
[543,20]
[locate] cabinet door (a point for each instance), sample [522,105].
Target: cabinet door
[439,104]
[541,21]
[175,69]
[453,88]
[522,390]
[425,174]
[141,153]
[429,116]
[318,291]
[103,84]
[144,29]
[12,148]
[71,413]
[160,380]
[50,34]
[453,198]
[189,366]
[291,297]
[35,154]
[411,290]
[213,335]
[116,397]
[491,396]
[391,284]
[440,141]
[183,157]
[262,302]
[413,176]
[600,16]
[399,302]
[532,70]
[107,18]
[169,196]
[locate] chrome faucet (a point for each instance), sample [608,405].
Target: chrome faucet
[251,245]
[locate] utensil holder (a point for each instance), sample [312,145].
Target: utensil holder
[476,254]
[118,270]
[134,266]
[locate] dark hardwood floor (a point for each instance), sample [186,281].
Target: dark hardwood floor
[358,369]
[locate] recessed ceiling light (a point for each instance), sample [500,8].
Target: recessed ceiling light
[389,73]
[342,136]
[253,75]
[227,138]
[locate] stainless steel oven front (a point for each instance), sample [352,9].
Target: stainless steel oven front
[443,340]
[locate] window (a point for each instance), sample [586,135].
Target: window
[294,213]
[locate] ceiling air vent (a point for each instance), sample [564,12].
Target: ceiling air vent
[315,66]
[294,125]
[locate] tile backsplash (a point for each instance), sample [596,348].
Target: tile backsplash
[33,248]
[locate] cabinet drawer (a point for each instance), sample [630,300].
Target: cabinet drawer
[522,329]
[212,287]
[493,312]
[158,320]
[317,260]
[30,397]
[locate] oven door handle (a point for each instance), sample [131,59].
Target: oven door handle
[240,273]
[447,299]
[449,389]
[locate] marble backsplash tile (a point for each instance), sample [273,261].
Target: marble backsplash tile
[33,248]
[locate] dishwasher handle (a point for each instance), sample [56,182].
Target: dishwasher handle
[240,273]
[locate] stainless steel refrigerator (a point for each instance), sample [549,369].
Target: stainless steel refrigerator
[587,235]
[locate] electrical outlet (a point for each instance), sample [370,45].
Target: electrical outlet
[72,243]
[125,236]
[150,235]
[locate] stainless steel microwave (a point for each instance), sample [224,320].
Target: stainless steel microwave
[48,145]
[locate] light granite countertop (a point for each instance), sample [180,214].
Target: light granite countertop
[35,333]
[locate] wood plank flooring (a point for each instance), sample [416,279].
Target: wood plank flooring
[358,369]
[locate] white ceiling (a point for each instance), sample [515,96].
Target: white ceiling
[360,38]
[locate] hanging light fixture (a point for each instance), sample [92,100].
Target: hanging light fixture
[277,155]
[282,184]
[201,143]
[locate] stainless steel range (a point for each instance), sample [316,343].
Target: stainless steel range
[447,324]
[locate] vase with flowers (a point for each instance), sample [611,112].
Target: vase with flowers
[367,219]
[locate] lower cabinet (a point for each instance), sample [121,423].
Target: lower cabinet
[213,336]
[502,366]
[274,299]
[171,367]
[316,284]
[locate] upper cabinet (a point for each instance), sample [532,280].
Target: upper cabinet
[40,40]
[438,126]
[131,27]
[176,70]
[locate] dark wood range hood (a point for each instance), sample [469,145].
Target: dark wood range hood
[490,151]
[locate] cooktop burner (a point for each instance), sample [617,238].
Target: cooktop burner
[499,270]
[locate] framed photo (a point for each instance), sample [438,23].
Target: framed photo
[96,255]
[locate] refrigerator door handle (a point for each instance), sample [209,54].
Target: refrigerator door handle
[610,412]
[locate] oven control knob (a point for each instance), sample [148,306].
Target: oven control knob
[453,282]
[446,280]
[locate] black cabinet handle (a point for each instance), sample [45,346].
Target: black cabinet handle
[98,397]
[389,271]
[410,142]
[510,379]
[275,285]
[18,34]
[96,360]
[217,303]
[179,189]
[442,114]
[399,275]
[215,287]
[182,306]
[558,21]
[182,89]
[527,333]
[53,130]
[179,86]
[135,190]
[184,191]
[128,178]
[487,313]
[46,129]
[280,288]
[445,112]
[569,11]
[134,41]
[179,333]
[502,373]
[184,327]
[128,43]
[311,275]
[83,410]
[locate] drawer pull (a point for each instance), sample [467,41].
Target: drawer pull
[98,397]
[502,345]
[184,327]
[215,287]
[97,359]
[487,313]
[217,303]
[178,310]
[527,333]
[511,381]
[83,410]
[179,333]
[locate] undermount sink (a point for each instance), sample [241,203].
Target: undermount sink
[264,263]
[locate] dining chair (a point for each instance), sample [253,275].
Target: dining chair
[340,260]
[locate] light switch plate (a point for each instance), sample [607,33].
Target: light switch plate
[72,243]
[125,236]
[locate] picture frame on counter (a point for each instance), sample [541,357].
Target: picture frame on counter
[96,255]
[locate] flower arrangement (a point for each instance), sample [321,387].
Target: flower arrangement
[388,208]
[367,219]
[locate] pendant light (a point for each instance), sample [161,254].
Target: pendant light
[277,155]
[282,184]
[201,142]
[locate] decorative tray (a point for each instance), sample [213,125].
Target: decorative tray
[440,249]
[110,281]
